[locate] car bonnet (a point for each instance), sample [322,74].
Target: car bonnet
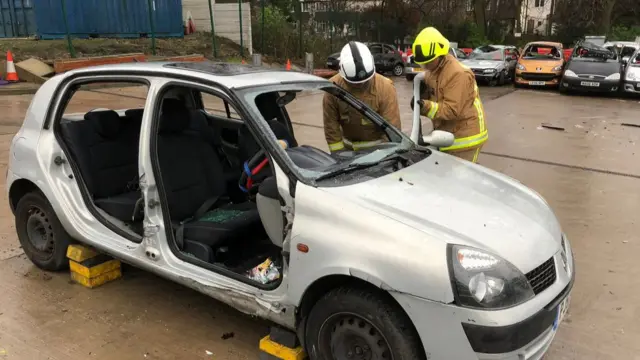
[482,64]
[544,65]
[458,202]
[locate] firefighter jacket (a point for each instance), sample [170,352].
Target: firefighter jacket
[344,126]
[452,102]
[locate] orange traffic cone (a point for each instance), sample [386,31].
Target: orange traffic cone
[288,65]
[12,75]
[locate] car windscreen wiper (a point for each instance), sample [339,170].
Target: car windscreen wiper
[357,166]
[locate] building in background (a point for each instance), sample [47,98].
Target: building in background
[535,16]
[226,16]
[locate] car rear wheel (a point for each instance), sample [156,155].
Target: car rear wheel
[398,70]
[351,323]
[40,233]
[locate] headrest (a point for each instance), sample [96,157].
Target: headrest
[106,122]
[134,113]
[174,117]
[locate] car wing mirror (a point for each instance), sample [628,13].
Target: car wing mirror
[439,138]
[625,60]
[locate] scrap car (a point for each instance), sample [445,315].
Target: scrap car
[540,65]
[208,184]
[385,56]
[493,64]
[591,68]
[631,79]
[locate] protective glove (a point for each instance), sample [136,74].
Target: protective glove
[420,103]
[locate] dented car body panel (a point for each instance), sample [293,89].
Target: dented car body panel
[394,232]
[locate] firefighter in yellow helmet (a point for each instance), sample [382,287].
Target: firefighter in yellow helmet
[450,96]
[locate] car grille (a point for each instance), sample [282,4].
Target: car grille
[478,71]
[538,76]
[591,77]
[543,276]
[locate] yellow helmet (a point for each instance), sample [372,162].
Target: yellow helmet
[429,45]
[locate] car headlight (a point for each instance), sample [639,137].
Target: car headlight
[489,71]
[632,76]
[521,67]
[557,68]
[485,281]
[615,76]
[569,73]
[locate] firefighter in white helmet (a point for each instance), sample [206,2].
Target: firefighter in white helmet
[344,127]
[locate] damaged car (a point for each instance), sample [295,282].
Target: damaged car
[540,65]
[412,69]
[591,68]
[493,64]
[211,182]
[631,80]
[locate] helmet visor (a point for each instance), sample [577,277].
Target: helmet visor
[420,56]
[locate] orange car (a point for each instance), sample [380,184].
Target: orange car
[540,64]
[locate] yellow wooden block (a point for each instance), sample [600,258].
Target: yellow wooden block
[80,253]
[91,270]
[96,281]
[281,351]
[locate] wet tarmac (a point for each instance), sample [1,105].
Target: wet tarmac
[588,172]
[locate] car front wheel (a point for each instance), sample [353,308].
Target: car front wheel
[352,323]
[41,234]
[398,70]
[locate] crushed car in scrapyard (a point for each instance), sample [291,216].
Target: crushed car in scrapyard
[493,64]
[356,249]
[592,68]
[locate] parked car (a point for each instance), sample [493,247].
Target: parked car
[355,256]
[493,64]
[386,57]
[631,79]
[540,64]
[411,68]
[591,68]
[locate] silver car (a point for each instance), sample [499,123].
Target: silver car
[394,250]
[493,64]
[631,75]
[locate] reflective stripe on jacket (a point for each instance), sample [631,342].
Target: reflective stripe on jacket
[344,126]
[455,104]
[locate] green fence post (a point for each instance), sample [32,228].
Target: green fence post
[152,5]
[241,30]
[213,30]
[299,28]
[262,28]
[72,51]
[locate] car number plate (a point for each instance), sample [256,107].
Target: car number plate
[562,311]
[329,63]
[590,83]
[539,83]
[418,69]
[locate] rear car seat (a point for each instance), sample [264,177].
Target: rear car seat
[195,188]
[105,148]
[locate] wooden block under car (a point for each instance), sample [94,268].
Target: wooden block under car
[269,350]
[95,271]
[80,253]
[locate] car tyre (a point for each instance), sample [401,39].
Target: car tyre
[354,321]
[398,70]
[502,79]
[40,232]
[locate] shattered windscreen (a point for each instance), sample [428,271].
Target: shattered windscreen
[542,52]
[304,106]
[591,52]
[487,53]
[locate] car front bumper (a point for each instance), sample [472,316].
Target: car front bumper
[543,80]
[486,77]
[411,70]
[631,86]
[579,84]
[523,332]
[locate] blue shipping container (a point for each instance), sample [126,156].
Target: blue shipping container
[107,18]
[16,18]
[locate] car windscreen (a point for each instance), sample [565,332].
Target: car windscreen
[635,59]
[312,147]
[593,53]
[542,52]
[487,53]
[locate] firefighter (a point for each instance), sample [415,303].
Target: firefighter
[344,127]
[449,95]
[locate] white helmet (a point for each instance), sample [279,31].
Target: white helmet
[356,63]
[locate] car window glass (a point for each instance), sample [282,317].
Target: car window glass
[112,96]
[214,105]
[306,114]
[627,51]
[542,52]
[375,49]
